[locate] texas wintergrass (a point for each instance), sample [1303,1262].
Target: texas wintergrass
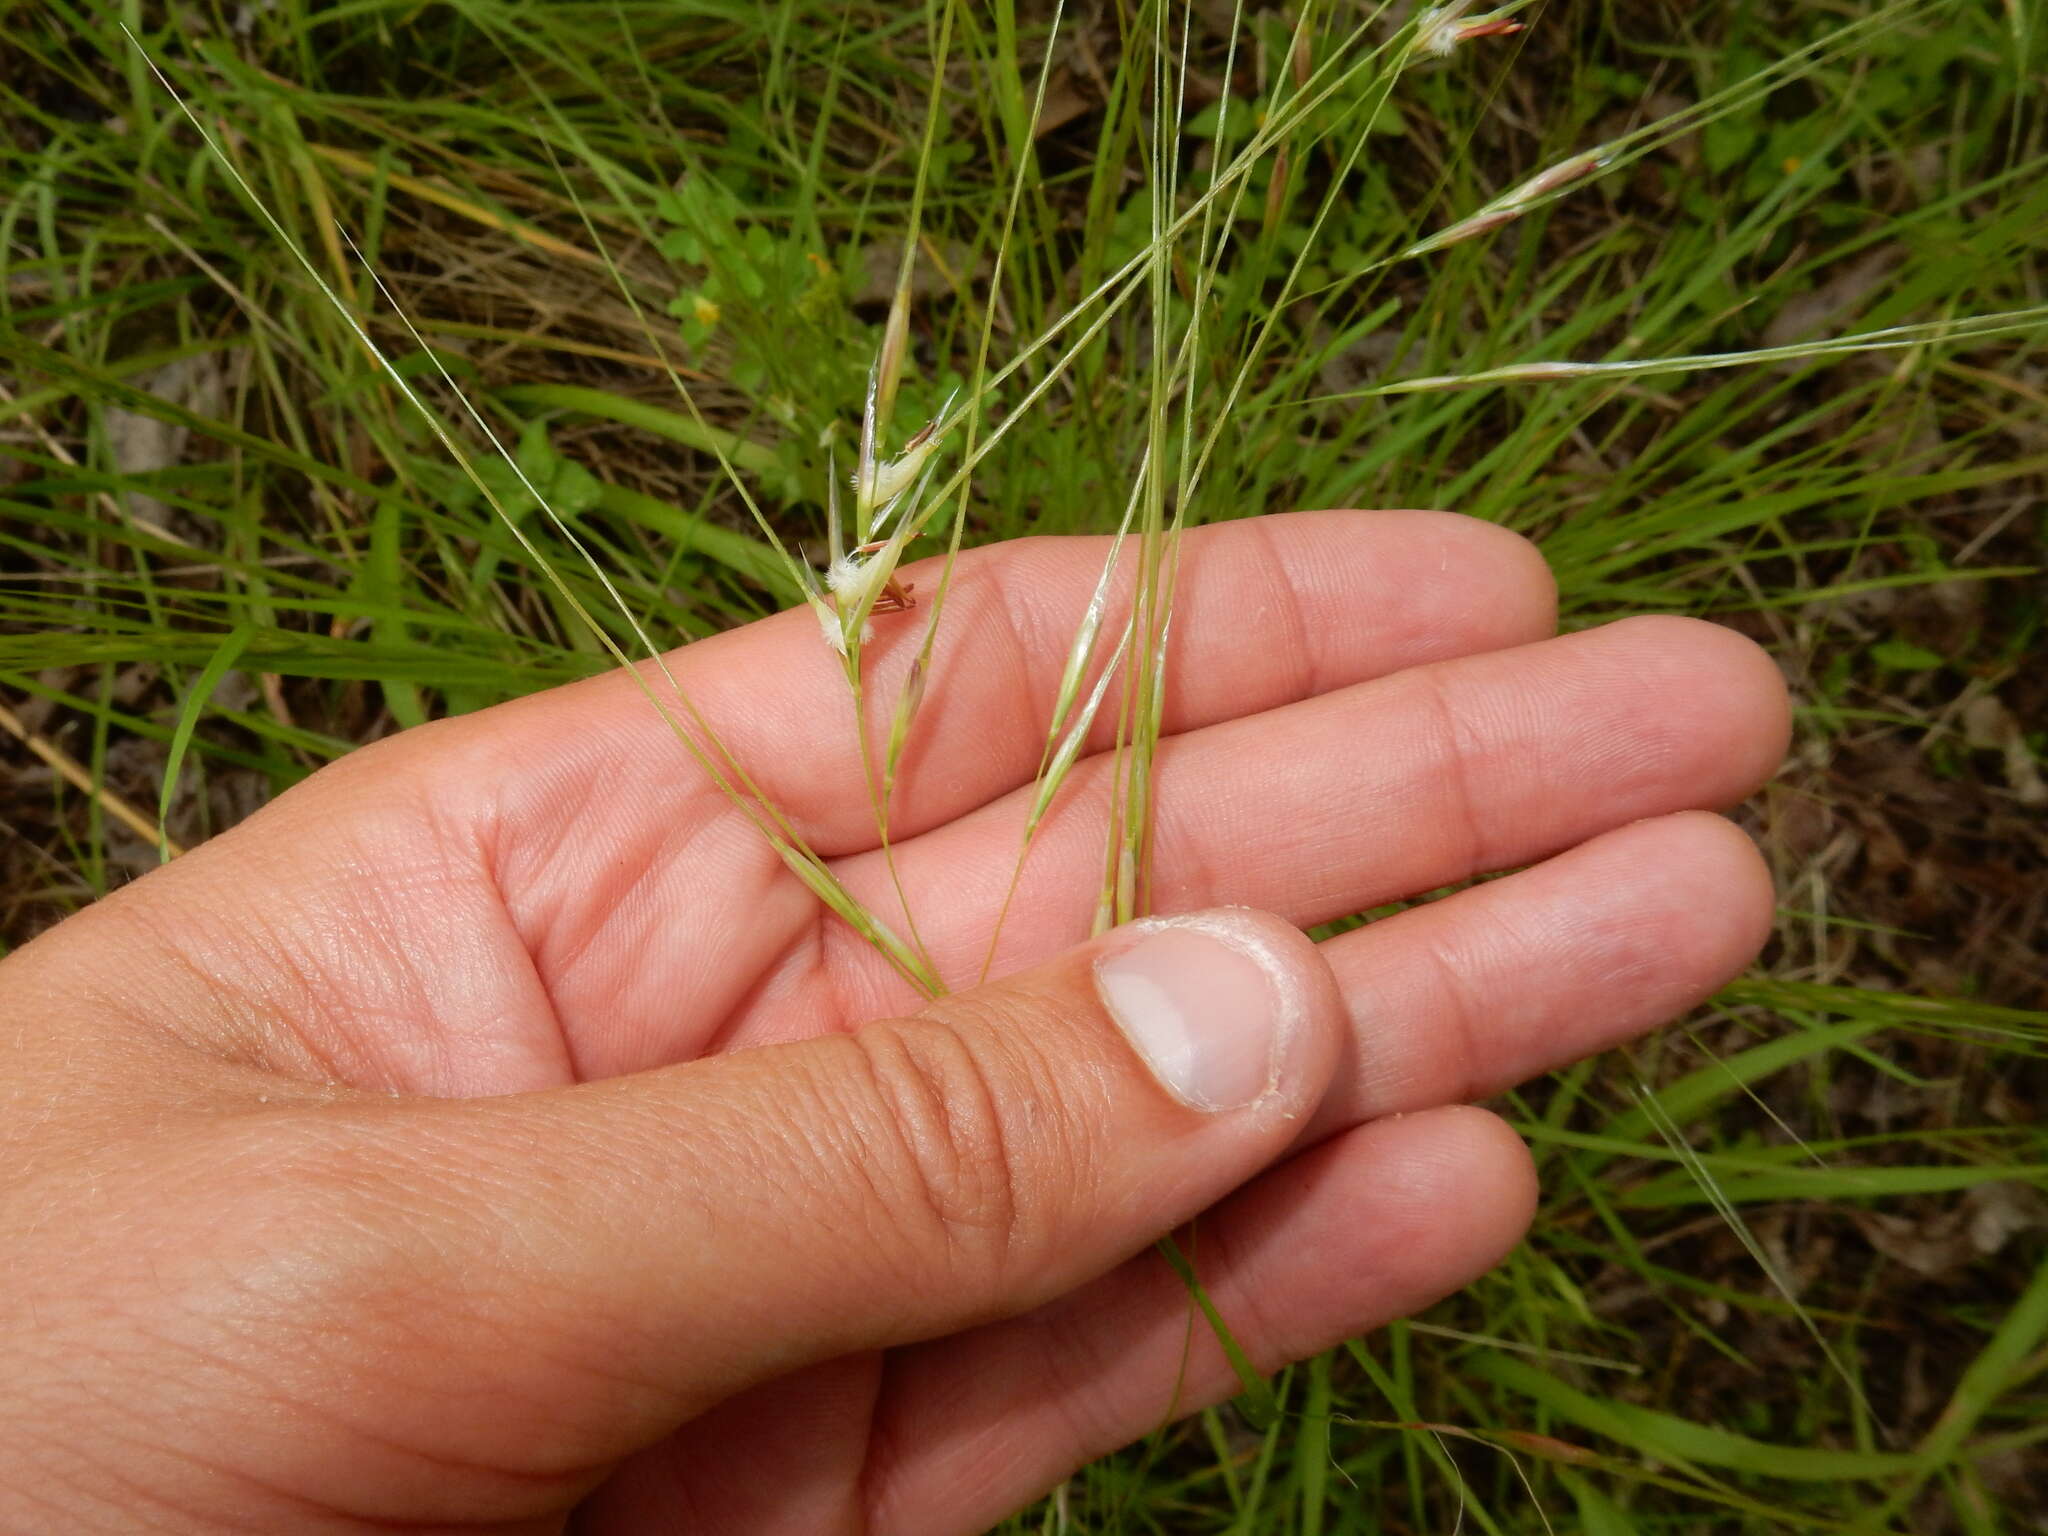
[1183,309]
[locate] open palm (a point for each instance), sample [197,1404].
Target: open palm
[1363,707]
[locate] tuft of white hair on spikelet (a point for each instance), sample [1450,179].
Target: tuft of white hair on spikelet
[885,491]
[1443,29]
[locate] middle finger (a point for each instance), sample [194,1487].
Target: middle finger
[1369,794]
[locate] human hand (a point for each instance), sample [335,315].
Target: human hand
[482,1131]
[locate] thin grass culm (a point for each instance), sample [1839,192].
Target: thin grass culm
[833,300]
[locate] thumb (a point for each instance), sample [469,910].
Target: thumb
[706,1226]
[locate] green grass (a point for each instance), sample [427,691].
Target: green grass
[228,544]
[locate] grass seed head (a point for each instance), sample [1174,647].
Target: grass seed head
[889,479]
[1443,29]
[830,624]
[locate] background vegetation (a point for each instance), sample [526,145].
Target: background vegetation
[1790,1273]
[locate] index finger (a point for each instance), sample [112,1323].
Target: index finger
[1267,611]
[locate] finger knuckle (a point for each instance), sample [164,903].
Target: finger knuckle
[945,1157]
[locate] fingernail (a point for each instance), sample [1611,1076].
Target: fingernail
[1204,1002]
